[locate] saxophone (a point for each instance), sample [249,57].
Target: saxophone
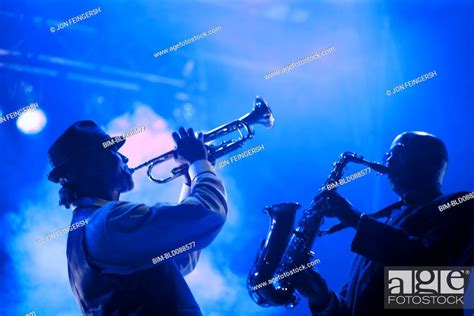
[286,248]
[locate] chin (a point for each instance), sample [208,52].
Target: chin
[127,184]
[397,188]
[130,184]
[399,192]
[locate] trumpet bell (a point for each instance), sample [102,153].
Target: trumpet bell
[260,114]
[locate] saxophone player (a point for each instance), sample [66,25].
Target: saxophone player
[425,231]
[130,258]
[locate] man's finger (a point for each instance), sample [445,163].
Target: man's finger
[319,198]
[182,132]
[191,133]
[336,197]
[310,272]
[332,194]
[176,137]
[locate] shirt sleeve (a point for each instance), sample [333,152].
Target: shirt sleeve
[188,261]
[123,237]
[336,306]
[444,243]
[185,191]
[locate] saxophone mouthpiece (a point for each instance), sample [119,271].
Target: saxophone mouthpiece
[379,168]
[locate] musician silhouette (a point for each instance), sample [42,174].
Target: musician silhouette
[423,231]
[130,259]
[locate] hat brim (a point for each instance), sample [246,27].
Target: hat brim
[118,145]
[55,174]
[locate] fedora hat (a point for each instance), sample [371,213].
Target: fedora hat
[81,139]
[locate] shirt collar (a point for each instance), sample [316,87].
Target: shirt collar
[89,201]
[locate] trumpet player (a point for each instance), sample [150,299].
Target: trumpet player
[130,258]
[420,233]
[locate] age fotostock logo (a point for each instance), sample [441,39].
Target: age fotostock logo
[425,287]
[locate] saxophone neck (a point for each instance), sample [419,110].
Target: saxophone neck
[347,157]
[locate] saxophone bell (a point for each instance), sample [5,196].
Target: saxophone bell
[282,218]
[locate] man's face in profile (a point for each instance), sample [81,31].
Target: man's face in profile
[122,175]
[416,161]
[400,164]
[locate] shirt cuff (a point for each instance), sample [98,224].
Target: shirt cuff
[368,236]
[326,309]
[185,191]
[198,167]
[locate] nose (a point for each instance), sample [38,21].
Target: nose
[124,158]
[386,158]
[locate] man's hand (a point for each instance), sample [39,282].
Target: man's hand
[311,285]
[188,147]
[337,206]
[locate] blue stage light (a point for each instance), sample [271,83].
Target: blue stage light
[32,121]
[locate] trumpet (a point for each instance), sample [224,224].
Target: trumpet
[261,114]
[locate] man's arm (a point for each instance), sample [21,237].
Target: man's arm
[336,306]
[321,300]
[391,245]
[188,261]
[126,236]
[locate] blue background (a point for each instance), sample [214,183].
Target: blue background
[103,69]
